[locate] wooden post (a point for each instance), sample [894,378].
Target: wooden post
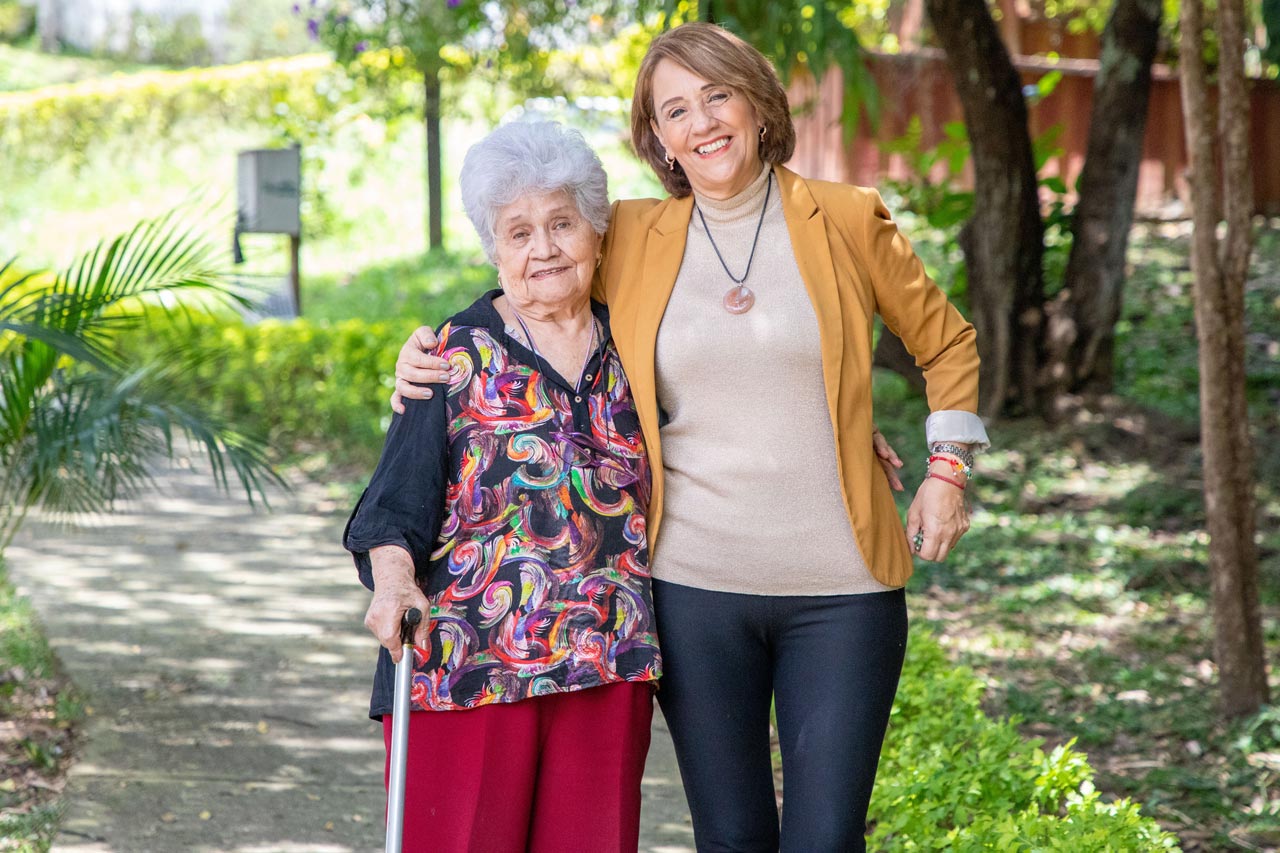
[295,279]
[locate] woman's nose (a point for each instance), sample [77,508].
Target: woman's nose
[704,118]
[544,246]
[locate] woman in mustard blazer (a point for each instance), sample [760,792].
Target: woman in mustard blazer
[742,307]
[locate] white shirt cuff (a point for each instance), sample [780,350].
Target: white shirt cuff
[958,426]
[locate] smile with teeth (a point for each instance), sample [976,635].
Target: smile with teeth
[713,147]
[550,272]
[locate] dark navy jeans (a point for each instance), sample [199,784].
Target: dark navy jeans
[831,664]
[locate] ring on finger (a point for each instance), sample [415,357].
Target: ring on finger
[918,540]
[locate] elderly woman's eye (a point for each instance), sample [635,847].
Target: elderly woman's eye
[718,97]
[675,114]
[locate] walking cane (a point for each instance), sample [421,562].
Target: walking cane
[400,732]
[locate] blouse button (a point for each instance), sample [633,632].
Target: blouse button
[589,377]
[577,399]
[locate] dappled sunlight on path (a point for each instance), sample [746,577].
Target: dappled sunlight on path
[223,657]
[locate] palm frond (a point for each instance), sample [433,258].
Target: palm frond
[78,428]
[63,342]
[96,437]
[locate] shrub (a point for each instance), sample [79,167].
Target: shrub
[17,20]
[953,779]
[300,98]
[303,387]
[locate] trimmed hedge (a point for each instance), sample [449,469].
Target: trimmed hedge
[304,387]
[55,122]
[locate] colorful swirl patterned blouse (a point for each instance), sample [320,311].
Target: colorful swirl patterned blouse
[522,501]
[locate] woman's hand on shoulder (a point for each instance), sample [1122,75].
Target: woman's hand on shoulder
[940,513]
[417,368]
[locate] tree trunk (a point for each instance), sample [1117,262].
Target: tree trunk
[1082,321]
[1220,269]
[1004,241]
[892,354]
[49,25]
[435,190]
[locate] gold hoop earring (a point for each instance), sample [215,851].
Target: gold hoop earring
[671,161]
[764,131]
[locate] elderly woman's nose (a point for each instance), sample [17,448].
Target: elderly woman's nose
[543,244]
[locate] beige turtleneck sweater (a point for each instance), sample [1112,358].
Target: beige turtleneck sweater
[753,502]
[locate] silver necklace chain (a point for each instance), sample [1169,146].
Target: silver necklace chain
[592,346]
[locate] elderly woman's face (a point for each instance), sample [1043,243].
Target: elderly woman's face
[547,252]
[711,129]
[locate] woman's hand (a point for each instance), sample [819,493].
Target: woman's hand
[887,458]
[394,592]
[940,512]
[416,365]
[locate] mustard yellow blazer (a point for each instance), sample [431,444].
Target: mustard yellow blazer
[855,264]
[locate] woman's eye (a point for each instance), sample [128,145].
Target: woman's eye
[718,97]
[675,114]
[519,235]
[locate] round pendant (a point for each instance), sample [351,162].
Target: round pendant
[739,300]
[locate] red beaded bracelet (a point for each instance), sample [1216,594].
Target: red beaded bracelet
[956,465]
[931,475]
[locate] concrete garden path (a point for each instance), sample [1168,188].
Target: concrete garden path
[222,654]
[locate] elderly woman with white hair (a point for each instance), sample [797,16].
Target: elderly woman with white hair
[511,511]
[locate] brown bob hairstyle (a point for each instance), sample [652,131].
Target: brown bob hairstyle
[719,57]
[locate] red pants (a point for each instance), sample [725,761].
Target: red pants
[553,774]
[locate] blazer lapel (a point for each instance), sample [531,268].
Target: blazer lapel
[808,229]
[664,250]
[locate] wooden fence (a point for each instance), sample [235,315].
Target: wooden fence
[919,84]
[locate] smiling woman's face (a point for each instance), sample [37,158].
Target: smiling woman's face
[546,252]
[711,129]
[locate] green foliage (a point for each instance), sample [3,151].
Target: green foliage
[317,387]
[17,20]
[1156,359]
[30,688]
[30,831]
[305,100]
[27,68]
[509,41]
[426,289]
[931,194]
[175,40]
[931,190]
[21,642]
[78,425]
[62,123]
[953,779]
[262,29]
[798,35]
[306,388]
[1271,23]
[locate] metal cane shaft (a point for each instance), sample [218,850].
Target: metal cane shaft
[400,735]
